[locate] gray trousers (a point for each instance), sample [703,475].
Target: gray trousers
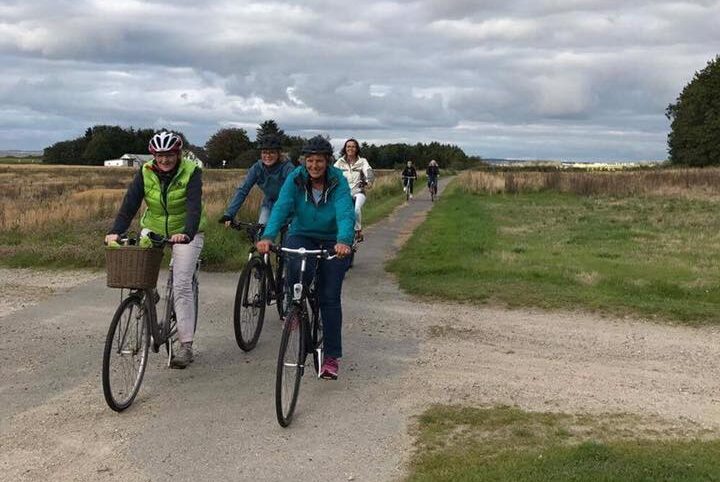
[184,258]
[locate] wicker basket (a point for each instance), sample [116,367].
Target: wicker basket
[133,267]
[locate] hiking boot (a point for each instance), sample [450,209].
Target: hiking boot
[330,368]
[183,357]
[410,196]
[359,236]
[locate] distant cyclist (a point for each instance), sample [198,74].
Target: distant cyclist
[172,189]
[359,176]
[268,173]
[433,173]
[409,175]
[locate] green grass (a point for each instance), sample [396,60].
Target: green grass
[457,443]
[381,201]
[21,160]
[80,246]
[651,256]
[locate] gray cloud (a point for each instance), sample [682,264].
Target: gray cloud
[549,78]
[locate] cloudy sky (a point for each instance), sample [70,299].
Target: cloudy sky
[562,79]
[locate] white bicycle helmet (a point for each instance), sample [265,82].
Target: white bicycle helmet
[165,141]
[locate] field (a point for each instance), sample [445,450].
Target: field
[56,216]
[507,444]
[645,243]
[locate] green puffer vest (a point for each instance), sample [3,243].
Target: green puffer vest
[165,213]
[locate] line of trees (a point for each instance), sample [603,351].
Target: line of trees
[233,146]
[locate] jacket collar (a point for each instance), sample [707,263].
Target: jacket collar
[302,181]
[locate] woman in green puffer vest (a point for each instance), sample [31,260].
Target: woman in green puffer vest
[172,189]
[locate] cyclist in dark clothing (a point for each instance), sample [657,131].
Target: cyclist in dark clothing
[433,173]
[409,175]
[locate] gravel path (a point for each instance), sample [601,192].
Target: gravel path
[216,421]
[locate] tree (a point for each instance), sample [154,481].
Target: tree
[269,127]
[227,144]
[100,143]
[108,142]
[694,137]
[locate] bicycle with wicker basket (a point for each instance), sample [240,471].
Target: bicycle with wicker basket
[136,325]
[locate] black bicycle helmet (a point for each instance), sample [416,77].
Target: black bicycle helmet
[269,142]
[317,145]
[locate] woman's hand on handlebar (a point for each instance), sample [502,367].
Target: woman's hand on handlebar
[179,238]
[112,237]
[342,250]
[263,246]
[226,220]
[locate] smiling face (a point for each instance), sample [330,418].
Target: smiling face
[166,161]
[351,149]
[316,165]
[269,156]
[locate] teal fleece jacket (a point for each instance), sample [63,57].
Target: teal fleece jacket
[331,219]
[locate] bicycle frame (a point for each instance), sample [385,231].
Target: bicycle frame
[157,330]
[301,294]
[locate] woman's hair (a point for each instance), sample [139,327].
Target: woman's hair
[357,144]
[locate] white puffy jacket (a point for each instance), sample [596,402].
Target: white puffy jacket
[358,175]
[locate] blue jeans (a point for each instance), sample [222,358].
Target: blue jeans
[329,288]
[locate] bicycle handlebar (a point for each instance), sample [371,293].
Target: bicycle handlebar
[304,253]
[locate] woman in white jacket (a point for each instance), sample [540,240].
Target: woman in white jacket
[359,175]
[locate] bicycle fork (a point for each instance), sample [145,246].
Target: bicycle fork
[297,297]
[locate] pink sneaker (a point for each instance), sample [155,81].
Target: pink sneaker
[330,368]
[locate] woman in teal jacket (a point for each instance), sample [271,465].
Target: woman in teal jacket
[315,199]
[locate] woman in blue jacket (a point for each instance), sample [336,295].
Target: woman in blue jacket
[269,173]
[316,200]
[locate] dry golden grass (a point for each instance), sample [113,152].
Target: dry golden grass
[34,197]
[691,183]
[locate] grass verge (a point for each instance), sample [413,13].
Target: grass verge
[457,444]
[647,255]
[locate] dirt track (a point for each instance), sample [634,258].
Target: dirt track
[216,419]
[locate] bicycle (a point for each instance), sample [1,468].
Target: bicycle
[257,287]
[302,334]
[407,186]
[128,339]
[432,187]
[356,242]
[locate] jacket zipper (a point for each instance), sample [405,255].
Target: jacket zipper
[163,200]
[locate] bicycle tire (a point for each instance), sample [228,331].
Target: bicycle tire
[280,286]
[317,340]
[126,395]
[249,307]
[290,366]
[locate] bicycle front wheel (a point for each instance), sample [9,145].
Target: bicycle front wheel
[126,352]
[249,310]
[317,341]
[291,359]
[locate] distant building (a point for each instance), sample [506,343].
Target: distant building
[129,160]
[137,160]
[191,156]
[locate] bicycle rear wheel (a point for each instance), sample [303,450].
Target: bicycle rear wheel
[249,310]
[291,359]
[126,352]
[280,286]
